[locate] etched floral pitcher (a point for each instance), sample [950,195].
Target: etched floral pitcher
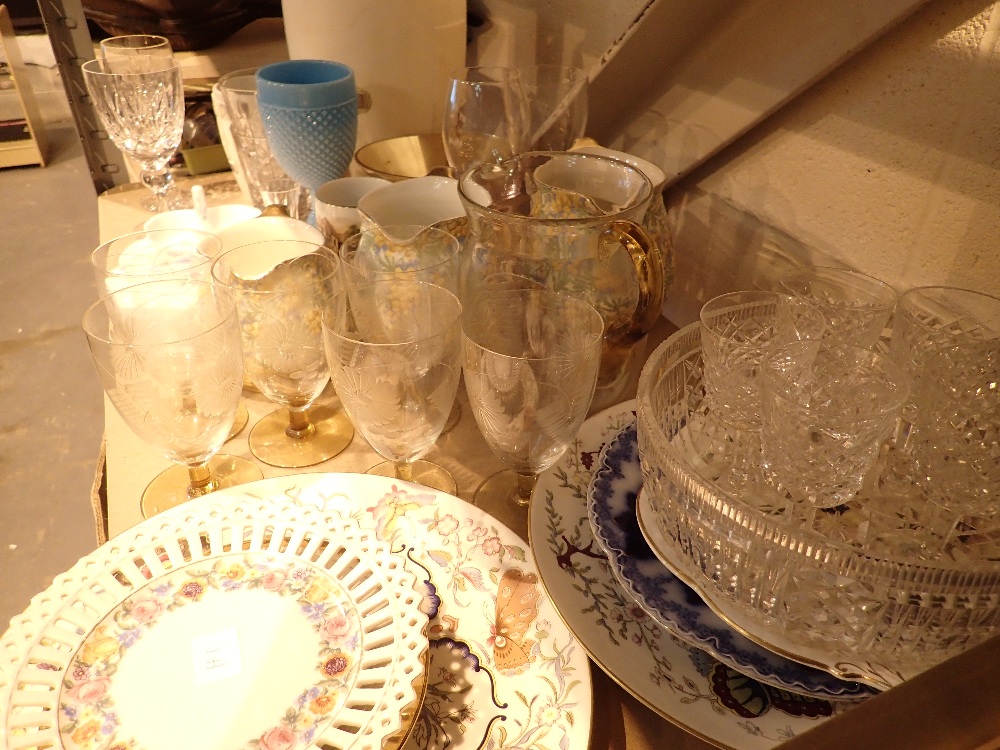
[572,222]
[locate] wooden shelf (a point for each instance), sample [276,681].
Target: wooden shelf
[32,146]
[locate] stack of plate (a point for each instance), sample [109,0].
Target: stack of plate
[652,633]
[328,611]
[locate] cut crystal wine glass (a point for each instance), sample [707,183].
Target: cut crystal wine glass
[143,114]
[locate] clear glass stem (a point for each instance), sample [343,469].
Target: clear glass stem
[525,486]
[160,181]
[202,481]
[299,425]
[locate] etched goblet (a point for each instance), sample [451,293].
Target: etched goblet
[155,255]
[394,347]
[143,114]
[405,251]
[168,355]
[281,287]
[530,365]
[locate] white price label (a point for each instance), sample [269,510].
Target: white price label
[216,656]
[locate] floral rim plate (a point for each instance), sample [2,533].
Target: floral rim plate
[504,670]
[261,624]
[611,507]
[681,683]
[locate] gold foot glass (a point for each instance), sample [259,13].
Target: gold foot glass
[280,287]
[530,366]
[395,356]
[427,473]
[179,484]
[168,354]
[295,438]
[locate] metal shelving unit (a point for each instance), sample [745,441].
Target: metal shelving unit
[66,26]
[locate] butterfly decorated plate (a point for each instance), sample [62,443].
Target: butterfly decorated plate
[611,508]
[504,670]
[222,623]
[678,681]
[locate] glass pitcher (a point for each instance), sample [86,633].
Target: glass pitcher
[572,222]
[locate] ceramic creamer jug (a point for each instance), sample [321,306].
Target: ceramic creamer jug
[572,222]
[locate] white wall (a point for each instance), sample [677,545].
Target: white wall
[569,32]
[891,164]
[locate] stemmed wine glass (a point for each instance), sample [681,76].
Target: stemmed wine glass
[405,251]
[394,348]
[155,255]
[556,97]
[485,117]
[530,365]
[135,53]
[281,287]
[143,114]
[168,354]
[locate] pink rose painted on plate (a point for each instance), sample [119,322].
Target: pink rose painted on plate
[90,691]
[277,738]
[145,610]
[273,580]
[336,628]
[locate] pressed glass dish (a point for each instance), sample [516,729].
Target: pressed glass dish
[819,594]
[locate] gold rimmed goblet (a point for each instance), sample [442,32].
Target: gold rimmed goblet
[168,355]
[530,365]
[394,348]
[280,288]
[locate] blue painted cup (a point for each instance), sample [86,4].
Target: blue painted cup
[309,109]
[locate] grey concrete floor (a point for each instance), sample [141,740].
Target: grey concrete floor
[51,407]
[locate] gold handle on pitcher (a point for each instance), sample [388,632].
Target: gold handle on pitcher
[648,263]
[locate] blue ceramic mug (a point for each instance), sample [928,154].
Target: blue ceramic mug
[310,113]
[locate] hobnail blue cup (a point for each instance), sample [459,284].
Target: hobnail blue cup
[310,113]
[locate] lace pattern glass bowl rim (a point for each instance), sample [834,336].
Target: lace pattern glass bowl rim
[675,605]
[729,520]
[60,624]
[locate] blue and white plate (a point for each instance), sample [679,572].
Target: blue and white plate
[611,506]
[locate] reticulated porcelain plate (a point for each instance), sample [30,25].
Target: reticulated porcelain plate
[504,670]
[222,623]
[611,508]
[680,682]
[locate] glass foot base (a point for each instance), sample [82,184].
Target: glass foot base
[170,488]
[424,472]
[242,417]
[271,444]
[453,418]
[497,495]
